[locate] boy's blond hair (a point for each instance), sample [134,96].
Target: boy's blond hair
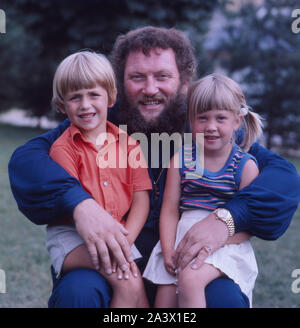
[216,91]
[83,70]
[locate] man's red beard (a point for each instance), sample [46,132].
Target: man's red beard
[171,119]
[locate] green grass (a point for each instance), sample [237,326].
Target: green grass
[22,253]
[25,261]
[276,261]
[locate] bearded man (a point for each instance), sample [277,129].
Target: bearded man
[154,67]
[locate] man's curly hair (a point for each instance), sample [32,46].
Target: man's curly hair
[147,38]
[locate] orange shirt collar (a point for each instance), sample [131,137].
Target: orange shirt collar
[110,128]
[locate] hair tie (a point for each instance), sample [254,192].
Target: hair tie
[244,111]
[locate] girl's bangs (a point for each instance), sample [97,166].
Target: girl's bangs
[218,97]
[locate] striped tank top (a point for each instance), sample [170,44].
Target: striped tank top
[209,190]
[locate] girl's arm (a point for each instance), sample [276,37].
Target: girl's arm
[137,215]
[250,172]
[169,214]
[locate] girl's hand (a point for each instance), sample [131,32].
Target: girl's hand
[169,262]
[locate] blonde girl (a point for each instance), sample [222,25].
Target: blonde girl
[216,109]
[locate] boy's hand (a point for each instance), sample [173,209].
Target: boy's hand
[103,236]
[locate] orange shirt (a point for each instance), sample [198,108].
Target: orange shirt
[113,186]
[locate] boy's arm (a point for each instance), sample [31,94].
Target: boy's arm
[137,215]
[44,191]
[141,183]
[265,208]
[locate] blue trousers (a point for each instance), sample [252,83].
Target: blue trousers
[84,288]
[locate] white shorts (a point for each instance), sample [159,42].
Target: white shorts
[62,239]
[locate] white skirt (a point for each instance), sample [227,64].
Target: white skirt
[237,261]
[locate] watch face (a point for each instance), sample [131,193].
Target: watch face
[222,212]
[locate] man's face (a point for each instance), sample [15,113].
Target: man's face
[151,82]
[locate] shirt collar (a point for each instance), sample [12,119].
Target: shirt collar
[110,128]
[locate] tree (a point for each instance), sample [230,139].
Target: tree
[264,55]
[41,33]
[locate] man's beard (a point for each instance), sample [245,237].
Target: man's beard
[171,119]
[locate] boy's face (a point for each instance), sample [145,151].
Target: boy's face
[87,109]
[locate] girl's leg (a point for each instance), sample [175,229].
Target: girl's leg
[192,283]
[166,297]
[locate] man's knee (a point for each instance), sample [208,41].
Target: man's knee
[81,288]
[224,293]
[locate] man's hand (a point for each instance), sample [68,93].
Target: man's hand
[103,236]
[132,270]
[204,237]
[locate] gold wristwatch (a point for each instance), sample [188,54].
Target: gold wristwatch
[225,216]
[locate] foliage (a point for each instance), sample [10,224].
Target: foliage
[264,53]
[41,33]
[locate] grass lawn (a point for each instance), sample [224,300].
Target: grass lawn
[276,261]
[25,261]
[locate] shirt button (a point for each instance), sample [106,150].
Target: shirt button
[105,183]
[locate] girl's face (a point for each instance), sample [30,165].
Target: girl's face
[217,126]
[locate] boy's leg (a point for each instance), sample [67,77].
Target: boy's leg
[192,283]
[166,297]
[128,293]
[79,257]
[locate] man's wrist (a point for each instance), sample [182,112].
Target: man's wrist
[71,199]
[225,216]
[81,207]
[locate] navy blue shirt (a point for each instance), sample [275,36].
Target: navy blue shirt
[46,193]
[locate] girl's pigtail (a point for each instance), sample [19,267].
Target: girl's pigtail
[252,126]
